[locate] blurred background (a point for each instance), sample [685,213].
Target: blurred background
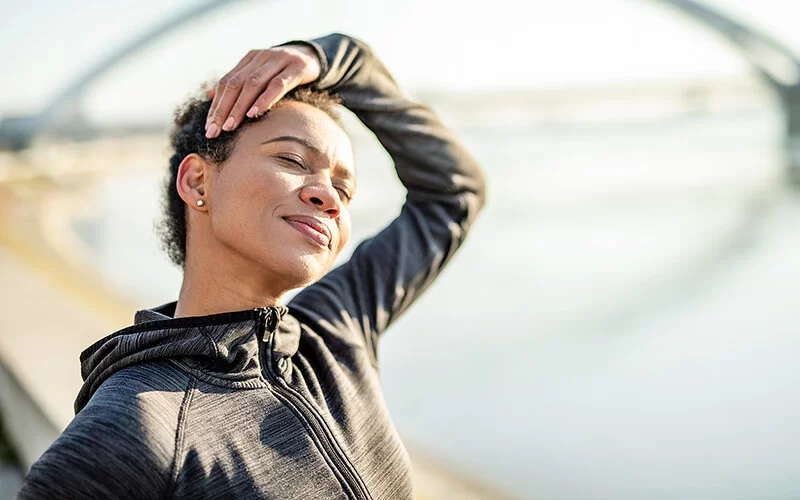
[622,321]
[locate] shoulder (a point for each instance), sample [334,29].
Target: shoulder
[145,398]
[122,443]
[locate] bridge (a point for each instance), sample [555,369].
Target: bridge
[774,61]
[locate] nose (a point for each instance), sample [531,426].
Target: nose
[322,196]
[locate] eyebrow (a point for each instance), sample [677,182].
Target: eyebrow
[300,140]
[311,147]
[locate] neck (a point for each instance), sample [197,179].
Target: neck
[203,297]
[221,287]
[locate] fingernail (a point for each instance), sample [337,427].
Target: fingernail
[228,125]
[212,131]
[253,112]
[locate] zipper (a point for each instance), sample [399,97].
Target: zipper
[309,415]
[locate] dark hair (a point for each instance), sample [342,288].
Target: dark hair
[188,136]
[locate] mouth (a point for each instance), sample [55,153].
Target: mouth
[312,228]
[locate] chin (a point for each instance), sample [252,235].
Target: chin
[300,270]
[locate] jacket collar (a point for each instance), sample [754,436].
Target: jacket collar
[225,346]
[280,329]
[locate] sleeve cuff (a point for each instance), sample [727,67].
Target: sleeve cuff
[323,59]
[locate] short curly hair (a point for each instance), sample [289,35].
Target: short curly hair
[188,136]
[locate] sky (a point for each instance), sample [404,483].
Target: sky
[429,44]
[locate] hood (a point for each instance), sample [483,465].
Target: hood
[226,344]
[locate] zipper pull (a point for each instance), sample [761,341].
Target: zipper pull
[271,317]
[270,321]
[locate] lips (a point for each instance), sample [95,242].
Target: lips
[312,228]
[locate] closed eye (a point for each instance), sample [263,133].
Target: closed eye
[297,162]
[344,194]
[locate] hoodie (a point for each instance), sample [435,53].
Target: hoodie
[276,402]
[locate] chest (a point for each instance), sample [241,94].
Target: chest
[318,428]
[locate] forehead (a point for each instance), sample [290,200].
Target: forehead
[310,125]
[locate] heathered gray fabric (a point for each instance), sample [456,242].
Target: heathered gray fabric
[276,402]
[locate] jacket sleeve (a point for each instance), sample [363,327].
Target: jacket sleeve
[104,453]
[445,190]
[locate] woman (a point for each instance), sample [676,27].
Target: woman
[227,393]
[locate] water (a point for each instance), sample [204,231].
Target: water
[600,334]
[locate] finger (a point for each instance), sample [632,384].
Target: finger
[241,64]
[227,93]
[213,92]
[278,87]
[255,84]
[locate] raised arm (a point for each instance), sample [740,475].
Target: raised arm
[445,192]
[431,163]
[445,186]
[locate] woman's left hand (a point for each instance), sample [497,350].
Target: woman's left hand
[260,79]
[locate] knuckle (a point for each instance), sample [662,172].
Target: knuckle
[281,82]
[237,110]
[255,79]
[234,82]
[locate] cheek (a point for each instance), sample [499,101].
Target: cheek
[245,202]
[252,190]
[344,230]
[234,198]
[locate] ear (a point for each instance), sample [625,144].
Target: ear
[191,181]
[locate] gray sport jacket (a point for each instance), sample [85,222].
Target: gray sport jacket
[276,402]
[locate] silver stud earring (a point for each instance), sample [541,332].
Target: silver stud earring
[200,203]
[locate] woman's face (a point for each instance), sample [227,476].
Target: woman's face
[280,201]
